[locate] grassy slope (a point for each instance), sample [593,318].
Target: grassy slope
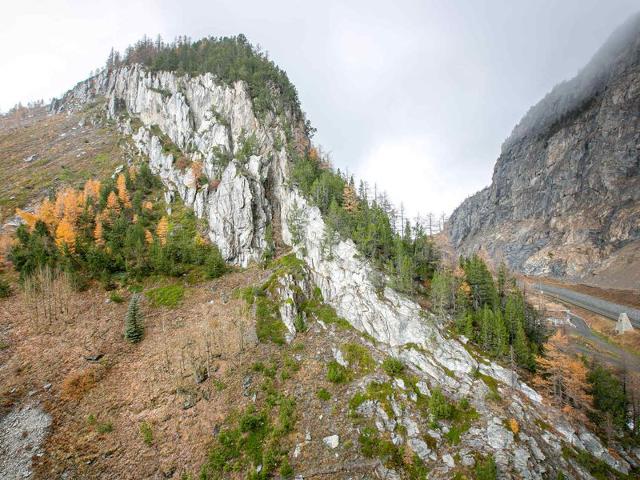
[66,154]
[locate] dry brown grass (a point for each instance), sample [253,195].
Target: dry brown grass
[155,382]
[76,384]
[67,153]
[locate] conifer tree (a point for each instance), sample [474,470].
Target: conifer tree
[133,327]
[349,198]
[123,194]
[112,203]
[162,229]
[98,234]
[66,234]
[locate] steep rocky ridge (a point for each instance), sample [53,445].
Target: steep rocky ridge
[201,118]
[565,195]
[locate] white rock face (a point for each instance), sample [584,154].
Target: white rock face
[332,441]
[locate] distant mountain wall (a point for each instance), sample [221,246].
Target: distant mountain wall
[565,195]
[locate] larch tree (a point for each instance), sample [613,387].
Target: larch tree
[98,234]
[28,218]
[162,230]
[66,234]
[349,199]
[47,214]
[123,193]
[112,203]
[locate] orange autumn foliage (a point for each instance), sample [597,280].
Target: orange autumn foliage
[112,203]
[563,378]
[514,426]
[148,237]
[47,214]
[162,230]
[98,234]
[92,190]
[66,234]
[28,218]
[349,199]
[123,194]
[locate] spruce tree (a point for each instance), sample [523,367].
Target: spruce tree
[133,328]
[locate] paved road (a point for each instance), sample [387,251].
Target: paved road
[596,305]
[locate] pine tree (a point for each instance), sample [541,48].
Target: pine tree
[133,327]
[521,349]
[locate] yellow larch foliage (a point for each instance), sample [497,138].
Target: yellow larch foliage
[135,218]
[72,204]
[112,203]
[58,208]
[123,194]
[514,426]
[349,199]
[162,229]
[148,236]
[147,205]
[92,190]
[28,218]
[66,234]
[313,154]
[47,214]
[98,234]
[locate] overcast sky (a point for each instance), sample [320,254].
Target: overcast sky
[416,96]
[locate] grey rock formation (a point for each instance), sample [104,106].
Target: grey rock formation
[565,196]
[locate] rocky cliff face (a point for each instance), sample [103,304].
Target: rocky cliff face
[565,196]
[205,123]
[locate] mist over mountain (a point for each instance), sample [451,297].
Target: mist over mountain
[564,197]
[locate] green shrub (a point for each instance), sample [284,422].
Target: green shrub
[323,394]
[106,427]
[134,328]
[269,326]
[286,471]
[336,373]
[215,264]
[486,469]
[358,357]
[5,288]
[392,366]
[299,323]
[115,297]
[439,405]
[169,296]
[147,433]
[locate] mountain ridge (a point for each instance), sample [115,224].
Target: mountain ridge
[563,200]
